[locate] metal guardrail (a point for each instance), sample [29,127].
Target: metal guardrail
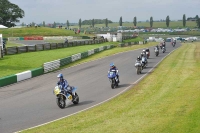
[48,46]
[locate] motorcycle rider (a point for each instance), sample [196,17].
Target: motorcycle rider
[113,68]
[156,47]
[143,55]
[64,85]
[147,50]
[138,60]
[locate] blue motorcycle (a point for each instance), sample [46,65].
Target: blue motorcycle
[113,79]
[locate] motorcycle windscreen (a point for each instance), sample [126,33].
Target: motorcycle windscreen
[111,74]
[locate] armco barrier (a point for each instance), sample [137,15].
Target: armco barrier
[84,55]
[90,52]
[65,61]
[8,80]
[101,48]
[46,46]
[23,75]
[50,66]
[108,47]
[37,72]
[76,57]
[96,50]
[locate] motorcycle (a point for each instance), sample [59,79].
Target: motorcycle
[63,97]
[113,79]
[138,66]
[163,49]
[156,52]
[144,62]
[148,54]
[173,44]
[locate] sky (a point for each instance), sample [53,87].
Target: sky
[72,10]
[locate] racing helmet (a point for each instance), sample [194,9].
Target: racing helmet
[138,58]
[60,76]
[112,65]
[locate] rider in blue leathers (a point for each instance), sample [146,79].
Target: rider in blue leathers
[113,68]
[64,84]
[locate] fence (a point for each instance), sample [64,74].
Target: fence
[48,46]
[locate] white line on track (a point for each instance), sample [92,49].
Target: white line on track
[102,101]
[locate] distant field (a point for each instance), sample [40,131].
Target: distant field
[190,24]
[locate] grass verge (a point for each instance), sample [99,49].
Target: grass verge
[12,44]
[167,100]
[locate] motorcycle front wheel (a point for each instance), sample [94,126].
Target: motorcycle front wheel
[138,70]
[113,84]
[61,103]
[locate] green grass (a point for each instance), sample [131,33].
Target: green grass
[133,40]
[166,101]
[12,64]
[12,44]
[40,31]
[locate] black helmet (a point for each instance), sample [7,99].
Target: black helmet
[138,58]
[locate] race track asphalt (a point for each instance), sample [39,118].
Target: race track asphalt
[31,102]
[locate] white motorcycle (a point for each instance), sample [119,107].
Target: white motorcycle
[63,97]
[138,67]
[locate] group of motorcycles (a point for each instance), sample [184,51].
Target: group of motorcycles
[141,62]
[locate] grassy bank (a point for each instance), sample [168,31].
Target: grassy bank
[166,101]
[40,31]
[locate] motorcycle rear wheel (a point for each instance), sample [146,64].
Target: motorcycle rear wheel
[76,99]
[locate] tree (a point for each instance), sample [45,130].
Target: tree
[43,24]
[33,23]
[92,22]
[67,24]
[167,21]
[135,21]
[198,21]
[96,21]
[151,22]
[120,21]
[79,23]
[106,22]
[9,13]
[184,20]
[23,24]
[54,25]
